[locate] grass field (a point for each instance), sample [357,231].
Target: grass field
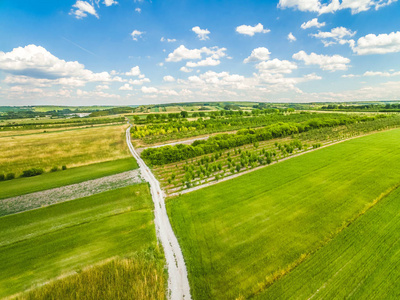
[70,148]
[362,262]
[46,181]
[237,237]
[42,244]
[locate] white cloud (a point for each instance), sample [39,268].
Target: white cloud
[168,78]
[209,61]
[138,10]
[356,6]
[350,76]
[312,23]
[138,81]
[149,90]
[378,44]
[381,74]
[82,9]
[135,71]
[110,2]
[260,53]
[326,62]
[251,30]
[182,53]
[167,40]
[136,34]
[126,87]
[186,70]
[276,66]
[291,37]
[102,87]
[202,34]
[336,33]
[39,64]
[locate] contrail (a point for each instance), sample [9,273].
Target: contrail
[75,44]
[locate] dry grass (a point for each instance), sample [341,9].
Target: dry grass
[70,148]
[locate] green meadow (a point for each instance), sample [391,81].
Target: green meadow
[242,235]
[362,262]
[46,181]
[43,244]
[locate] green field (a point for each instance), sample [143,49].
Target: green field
[362,262]
[42,244]
[46,181]
[237,237]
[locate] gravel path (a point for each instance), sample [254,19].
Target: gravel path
[68,192]
[178,283]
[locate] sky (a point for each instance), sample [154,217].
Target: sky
[127,52]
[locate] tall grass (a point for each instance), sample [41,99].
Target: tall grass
[141,277]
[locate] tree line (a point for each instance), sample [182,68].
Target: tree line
[169,154]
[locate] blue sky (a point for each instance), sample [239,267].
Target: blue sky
[139,52]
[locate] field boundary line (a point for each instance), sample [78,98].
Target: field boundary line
[273,163]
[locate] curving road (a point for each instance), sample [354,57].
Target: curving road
[178,283]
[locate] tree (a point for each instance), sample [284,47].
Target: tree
[184,114]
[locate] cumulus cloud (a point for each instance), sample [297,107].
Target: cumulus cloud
[110,2]
[82,8]
[126,87]
[138,81]
[291,37]
[202,34]
[312,23]
[325,62]
[251,30]
[258,54]
[356,6]
[186,70]
[168,78]
[167,40]
[378,44]
[149,90]
[182,53]
[135,71]
[208,62]
[336,33]
[138,10]
[136,34]
[381,74]
[276,66]
[36,62]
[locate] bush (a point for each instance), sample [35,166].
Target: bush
[10,176]
[32,172]
[54,169]
[64,167]
[2,177]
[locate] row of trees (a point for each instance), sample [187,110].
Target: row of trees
[169,154]
[202,126]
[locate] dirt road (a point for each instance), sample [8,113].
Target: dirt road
[178,283]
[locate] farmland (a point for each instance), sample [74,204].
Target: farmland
[224,163]
[362,262]
[46,181]
[39,245]
[55,149]
[277,216]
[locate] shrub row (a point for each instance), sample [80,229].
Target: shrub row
[29,173]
